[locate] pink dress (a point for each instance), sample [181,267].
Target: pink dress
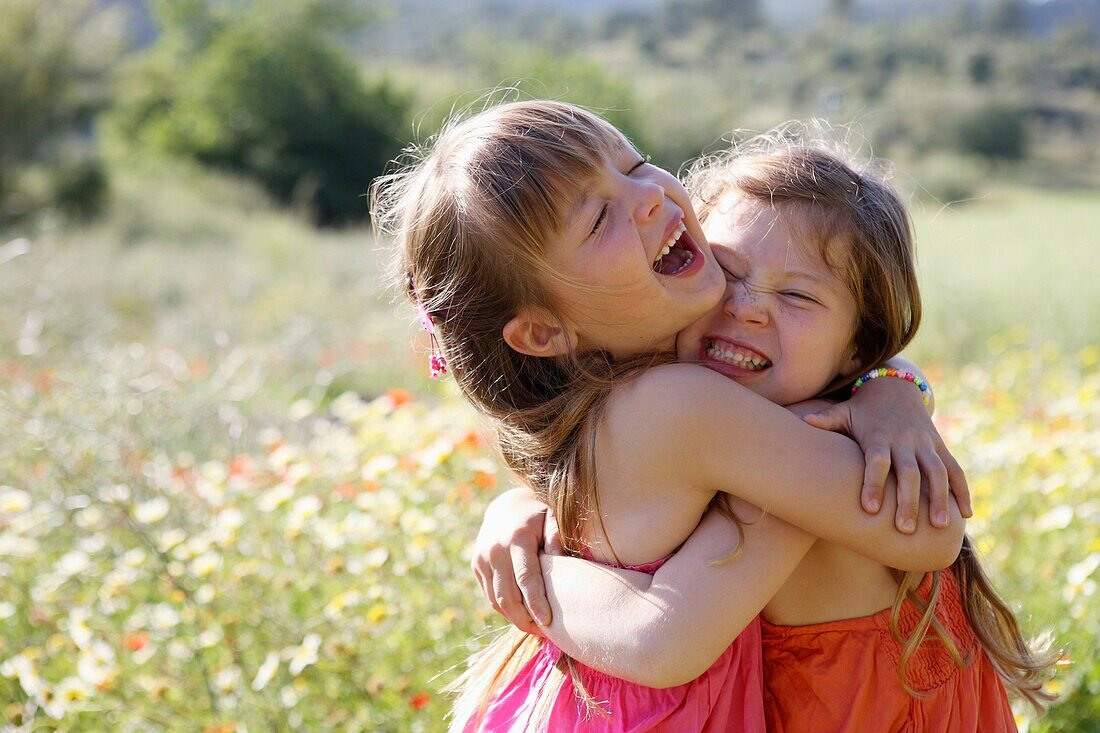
[727,698]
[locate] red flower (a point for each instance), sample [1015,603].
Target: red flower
[420,700]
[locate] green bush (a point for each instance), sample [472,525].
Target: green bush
[50,84]
[274,101]
[993,131]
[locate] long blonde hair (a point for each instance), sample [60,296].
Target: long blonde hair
[472,213]
[866,235]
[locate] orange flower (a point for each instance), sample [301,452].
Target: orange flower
[241,465]
[345,491]
[223,728]
[135,642]
[399,396]
[420,700]
[485,480]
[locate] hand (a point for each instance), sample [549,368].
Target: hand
[506,561]
[888,419]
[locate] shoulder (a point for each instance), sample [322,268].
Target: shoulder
[676,396]
[673,385]
[662,416]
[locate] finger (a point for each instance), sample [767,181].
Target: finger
[905,468]
[874,477]
[486,588]
[525,560]
[552,544]
[956,479]
[836,418]
[506,593]
[935,473]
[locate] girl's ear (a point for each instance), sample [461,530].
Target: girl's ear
[853,365]
[535,333]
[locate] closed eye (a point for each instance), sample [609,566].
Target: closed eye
[599,220]
[800,296]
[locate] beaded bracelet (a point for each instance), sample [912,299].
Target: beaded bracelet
[925,390]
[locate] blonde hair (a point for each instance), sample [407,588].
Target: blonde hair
[866,235]
[472,215]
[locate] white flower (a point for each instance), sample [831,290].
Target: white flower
[266,671]
[13,501]
[163,617]
[275,497]
[72,563]
[152,511]
[205,564]
[226,680]
[51,704]
[7,610]
[304,655]
[117,494]
[79,628]
[170,538]
[377,466]
[21,667]
[96,664]
[300,410]
[73,690]
[288,696]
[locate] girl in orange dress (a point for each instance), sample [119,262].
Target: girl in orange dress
[821,286]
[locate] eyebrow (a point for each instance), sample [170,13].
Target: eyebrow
[578,206]
[806,274]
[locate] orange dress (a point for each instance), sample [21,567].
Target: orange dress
[843,676]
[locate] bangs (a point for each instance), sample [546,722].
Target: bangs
[523,165]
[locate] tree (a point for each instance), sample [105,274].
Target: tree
[50,87]
[1007,17]
[267,93]
[842,10]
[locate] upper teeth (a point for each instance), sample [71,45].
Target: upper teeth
[671,241]
[735,355]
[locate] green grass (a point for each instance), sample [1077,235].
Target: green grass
[1015,259]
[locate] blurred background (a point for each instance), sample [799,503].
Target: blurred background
[230,498]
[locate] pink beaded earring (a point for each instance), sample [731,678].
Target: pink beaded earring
[436,362]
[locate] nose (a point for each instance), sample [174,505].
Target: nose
[650,200]
[745,304]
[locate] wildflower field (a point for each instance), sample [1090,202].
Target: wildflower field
[230,501]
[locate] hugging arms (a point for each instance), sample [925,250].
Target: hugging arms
[664,629]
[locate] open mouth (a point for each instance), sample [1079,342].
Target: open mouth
[678,254]
[736,356]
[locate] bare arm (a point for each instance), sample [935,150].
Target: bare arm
[729,439]
[894,429]
[666,629]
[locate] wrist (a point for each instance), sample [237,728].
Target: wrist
[881,373]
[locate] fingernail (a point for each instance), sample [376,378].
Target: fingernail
[941,518]
[908,525]
[872,504]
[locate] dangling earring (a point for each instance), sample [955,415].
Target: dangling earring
[437,363]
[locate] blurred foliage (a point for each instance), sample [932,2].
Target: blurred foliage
[52,67]
[266,92]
